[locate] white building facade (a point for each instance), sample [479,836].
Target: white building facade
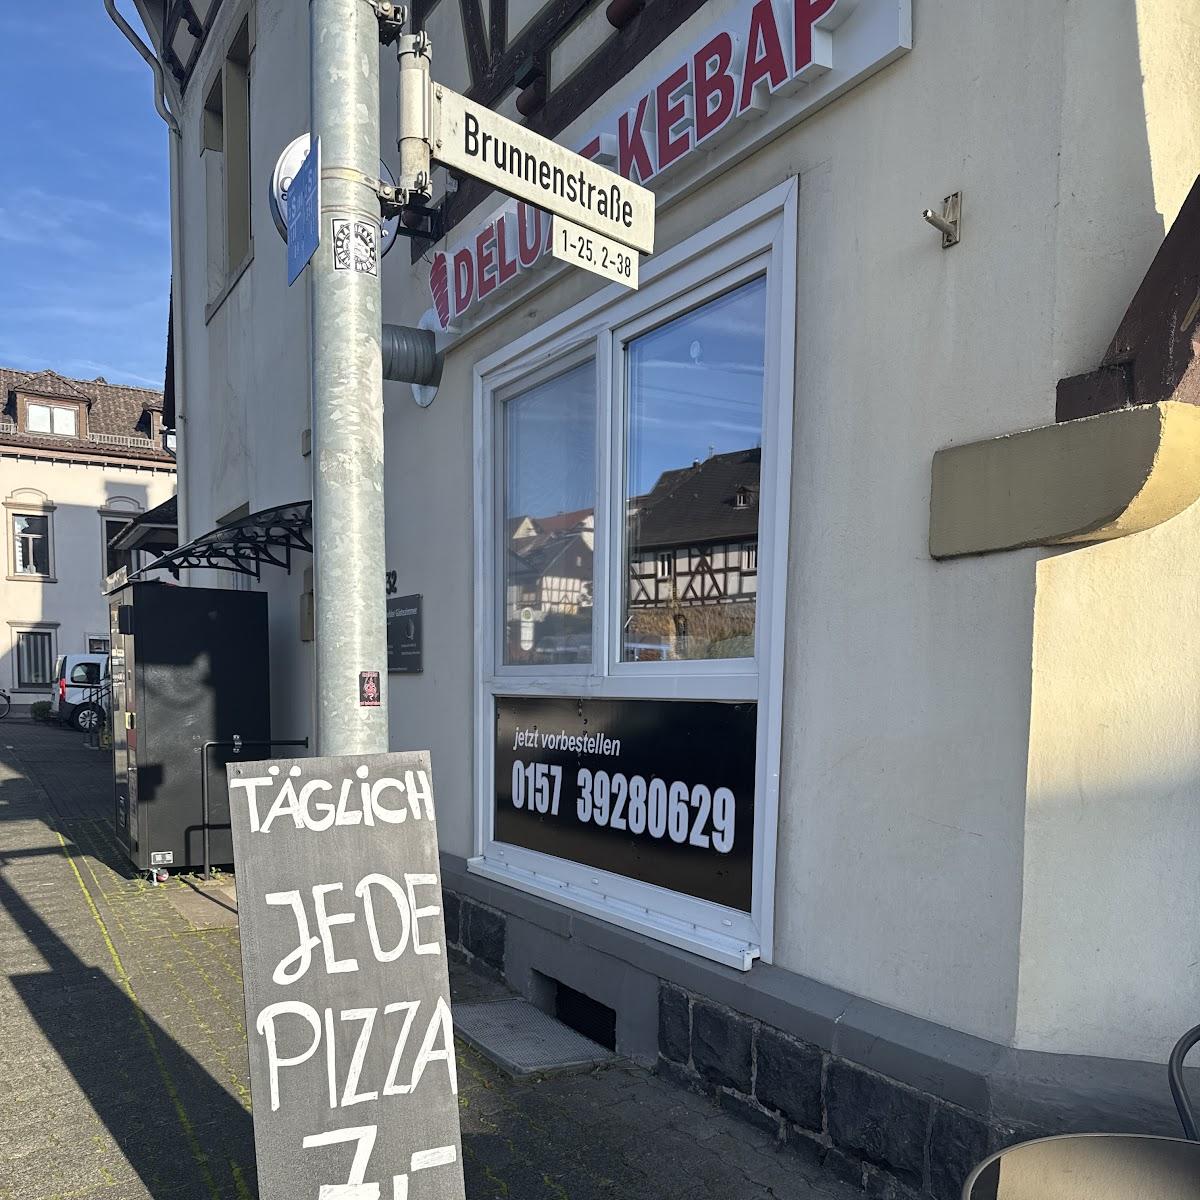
[79,459]
[856,782]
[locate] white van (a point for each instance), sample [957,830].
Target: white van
[79,686]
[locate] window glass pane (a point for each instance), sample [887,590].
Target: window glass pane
[693,448]
[37,418]
[64,421]
[31,545]
[114,560]
[86,673]
[549,523]
[35,654]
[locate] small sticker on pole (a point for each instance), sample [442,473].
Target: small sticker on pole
[368,689]
[355,246]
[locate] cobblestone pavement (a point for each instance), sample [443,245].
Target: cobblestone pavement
[123,1055]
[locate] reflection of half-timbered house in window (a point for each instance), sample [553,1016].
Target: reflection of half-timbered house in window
[693,570]
[549,584]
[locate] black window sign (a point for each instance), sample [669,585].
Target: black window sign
[404,635]
[656,790]
[348,1020]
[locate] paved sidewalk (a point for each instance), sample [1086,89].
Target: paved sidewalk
[123,1056]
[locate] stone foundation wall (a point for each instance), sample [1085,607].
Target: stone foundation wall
[889,1139]
[476,931]
[894,1141]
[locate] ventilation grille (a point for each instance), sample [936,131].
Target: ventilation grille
[585,1015]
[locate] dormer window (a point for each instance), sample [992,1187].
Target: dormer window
[743,498]
[51,418]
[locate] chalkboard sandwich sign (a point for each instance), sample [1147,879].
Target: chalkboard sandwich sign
[347,993]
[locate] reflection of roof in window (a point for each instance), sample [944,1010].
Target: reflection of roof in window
[547,555]
[700,503]
[564,522]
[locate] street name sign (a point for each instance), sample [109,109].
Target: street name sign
[351,1040]
[470,138]
[304,213]
[594,252]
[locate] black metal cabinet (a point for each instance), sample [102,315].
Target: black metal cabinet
[189,665]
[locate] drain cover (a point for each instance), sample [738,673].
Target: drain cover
[522,1040]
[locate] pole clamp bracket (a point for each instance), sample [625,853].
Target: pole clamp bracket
[418,218]
[392,19]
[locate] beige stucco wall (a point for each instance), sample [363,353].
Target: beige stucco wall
[1110,939]
[1072,132]
[74,604]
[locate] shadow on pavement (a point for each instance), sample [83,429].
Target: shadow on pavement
[180,1131]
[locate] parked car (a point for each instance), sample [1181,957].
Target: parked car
[79,681]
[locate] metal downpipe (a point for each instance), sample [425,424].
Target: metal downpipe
[160,86]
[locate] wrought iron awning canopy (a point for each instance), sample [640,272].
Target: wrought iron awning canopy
[244,545]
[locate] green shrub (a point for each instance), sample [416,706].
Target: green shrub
[39,710]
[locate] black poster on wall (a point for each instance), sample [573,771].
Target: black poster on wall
[404,654]
[661,791]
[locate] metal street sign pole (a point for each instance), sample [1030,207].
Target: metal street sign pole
[347,384]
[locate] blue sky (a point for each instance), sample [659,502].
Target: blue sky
[85,257]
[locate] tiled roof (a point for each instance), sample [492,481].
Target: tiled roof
[113,411]
[166,513]
[47,383]
[699,503]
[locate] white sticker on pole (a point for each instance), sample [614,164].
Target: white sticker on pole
[470,138]
[594,252]
[355,246]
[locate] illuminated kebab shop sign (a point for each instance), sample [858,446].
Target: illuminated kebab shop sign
[762,67]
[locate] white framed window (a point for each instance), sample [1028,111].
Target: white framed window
[32,546]
[97,644]
[51,418]
[647,434]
